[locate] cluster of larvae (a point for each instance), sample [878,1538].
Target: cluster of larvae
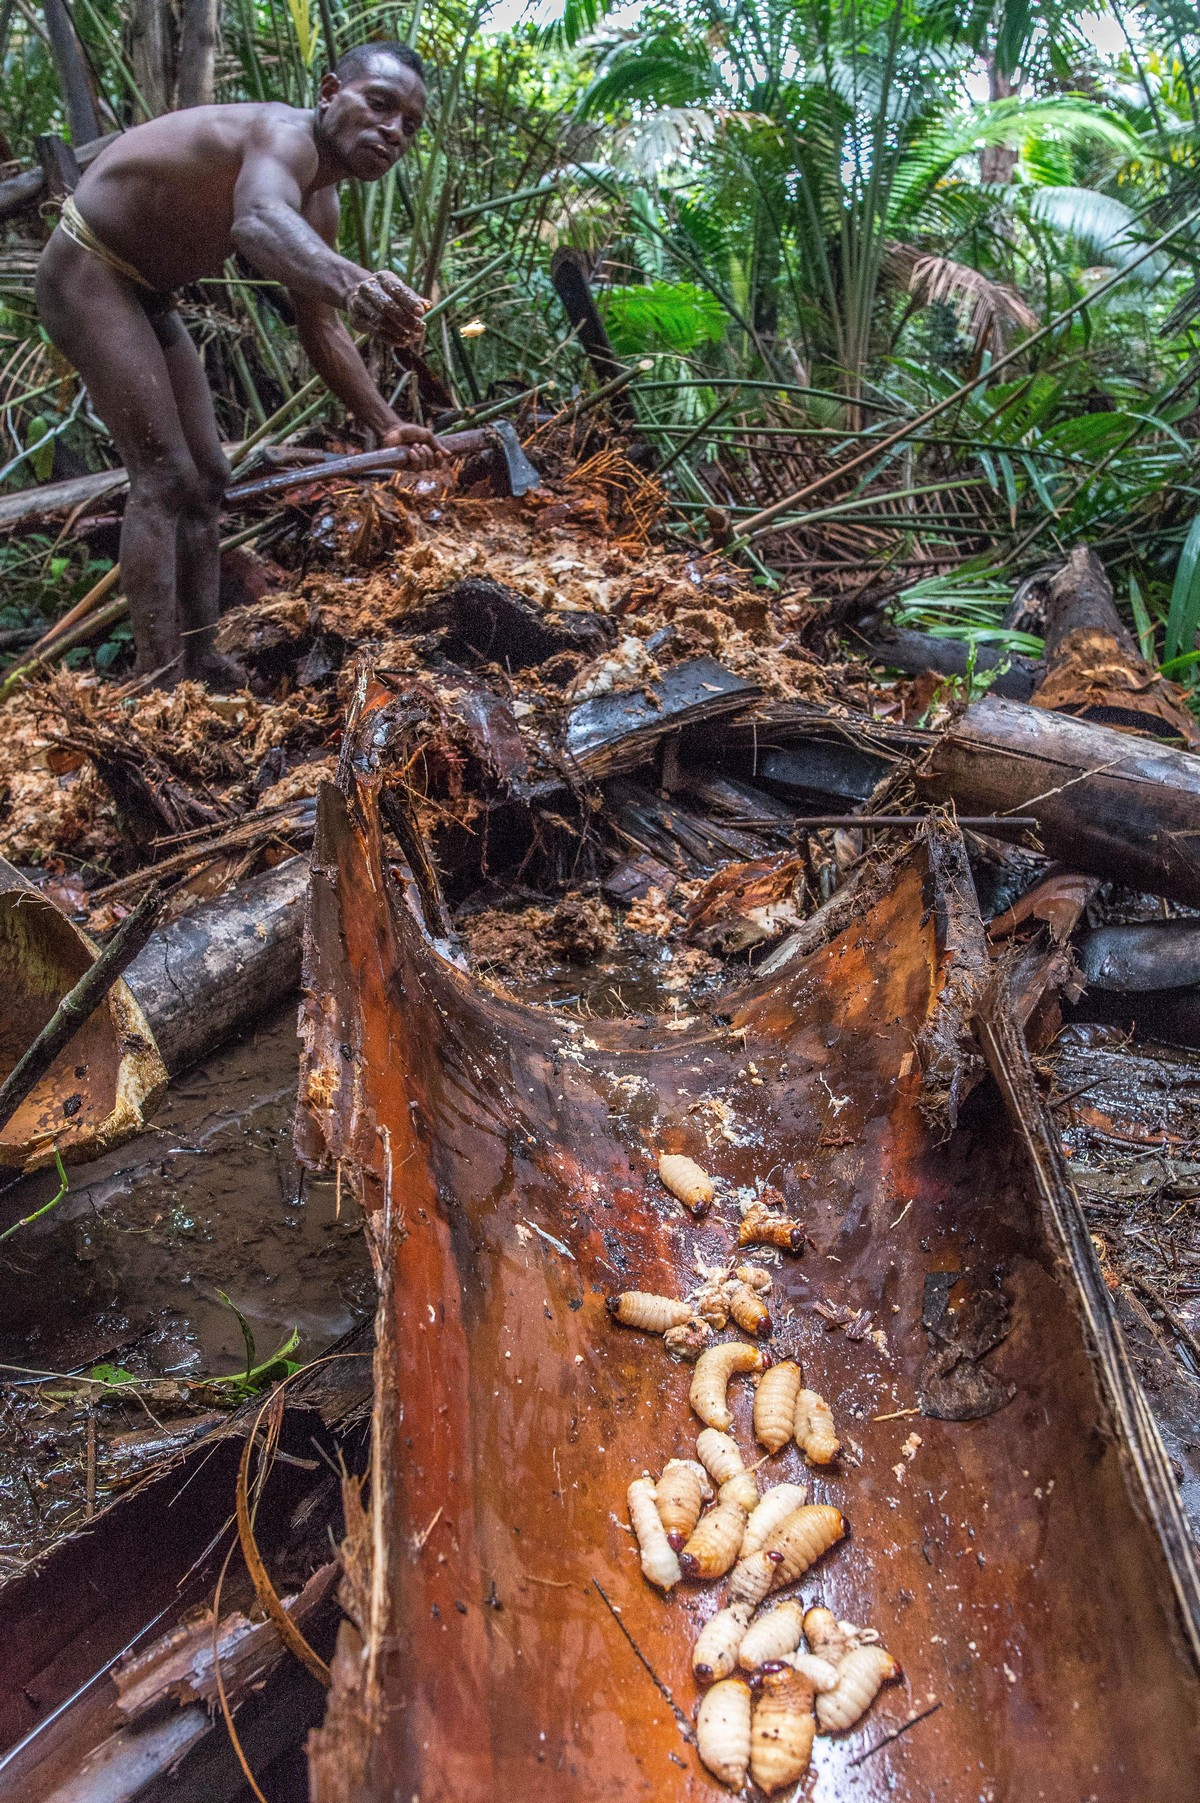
[706,1518]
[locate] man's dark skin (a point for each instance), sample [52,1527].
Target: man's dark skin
[174,198]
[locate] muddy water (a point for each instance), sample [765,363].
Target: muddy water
[126,1271]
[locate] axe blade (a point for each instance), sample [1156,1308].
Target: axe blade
[521,474]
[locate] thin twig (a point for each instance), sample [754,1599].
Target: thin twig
[685,1727]
[896,1733]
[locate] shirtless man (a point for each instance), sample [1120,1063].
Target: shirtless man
[169,202]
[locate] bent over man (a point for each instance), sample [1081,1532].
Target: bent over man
[167,203]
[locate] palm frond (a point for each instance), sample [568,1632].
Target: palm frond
[991,307]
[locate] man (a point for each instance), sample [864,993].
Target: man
[168,202]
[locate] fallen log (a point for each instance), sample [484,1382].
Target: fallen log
[915,653]
[1155,955]
[1094,669]
[209,974]
[30,508]
[101,1087]
[1117,806]
[504,1636]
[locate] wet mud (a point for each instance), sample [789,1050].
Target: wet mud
[124,1277]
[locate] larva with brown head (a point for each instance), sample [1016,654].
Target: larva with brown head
[750,1311]
[714,1368]
[775,1404]
[723,1731]
[653,1314]
[763,1226]
[772,1635]
[801,1539]
[715,1653]
[716,1543]
[782,1729]
[753,1576]
[778,1502]
[814,1429]
[861,1674]
[681,1493]
[687,1182]
[659,1562]
[797,1542]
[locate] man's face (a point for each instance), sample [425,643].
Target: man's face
[371,121]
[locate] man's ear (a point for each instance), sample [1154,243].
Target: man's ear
[330,85]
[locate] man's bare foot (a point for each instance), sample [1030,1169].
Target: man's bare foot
[216,671]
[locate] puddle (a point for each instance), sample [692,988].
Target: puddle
[126,1271]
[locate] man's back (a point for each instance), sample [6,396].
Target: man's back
[162,196]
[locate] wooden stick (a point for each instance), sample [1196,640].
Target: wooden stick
[79,1004]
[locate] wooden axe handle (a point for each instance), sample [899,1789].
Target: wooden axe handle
[363,463]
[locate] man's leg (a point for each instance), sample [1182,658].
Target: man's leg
[96,320]
[199,568]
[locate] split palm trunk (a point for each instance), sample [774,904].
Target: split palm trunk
[1017,1535]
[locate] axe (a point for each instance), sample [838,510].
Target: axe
[520,475]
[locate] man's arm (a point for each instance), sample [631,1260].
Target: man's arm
[269,228]
[332,353]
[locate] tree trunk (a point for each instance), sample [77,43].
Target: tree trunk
[78,99]
[198,52]
[1093,666]
[1110,803]
[997,161]
[211,972]
[153,55]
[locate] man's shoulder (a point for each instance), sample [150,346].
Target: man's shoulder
[274,119]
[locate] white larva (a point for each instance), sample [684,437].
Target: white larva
[741,1488]
[828,1637]
[772,1635]
[801,1539]
[814,1429]
[686,1181]
[778,1503]
[750,1311]
[797,1542]
[782,1730]
[775,1404]
[681,1493]
[752,1576]
[660,1566]
[720,1454]
[714,1368]
[822,1674]
[715,1654]
[653,1314]
[861,1675]
[763,1226]
[723,1731]
[716,1542]
[754,1275]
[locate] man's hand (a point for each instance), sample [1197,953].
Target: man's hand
[422,447]
[387,308]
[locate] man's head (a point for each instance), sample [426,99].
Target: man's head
[371,107]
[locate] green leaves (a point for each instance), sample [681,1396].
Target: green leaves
[1183,615]
[662,316]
